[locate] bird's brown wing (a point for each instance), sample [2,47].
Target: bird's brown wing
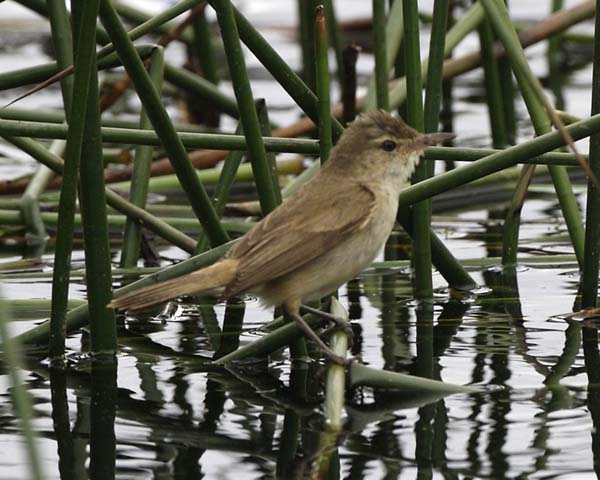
[304,227]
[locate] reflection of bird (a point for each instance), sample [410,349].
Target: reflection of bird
[323,235]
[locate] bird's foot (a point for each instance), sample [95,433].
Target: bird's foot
[340,323]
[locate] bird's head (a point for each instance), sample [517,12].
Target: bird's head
[384,144]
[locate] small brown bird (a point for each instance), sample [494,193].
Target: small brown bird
[320,237]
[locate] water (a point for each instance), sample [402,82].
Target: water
[165,414]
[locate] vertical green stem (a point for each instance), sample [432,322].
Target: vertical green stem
[435,64]
[592,223]
[63,45]
[92,200]
[493,90]
[161,122]
[380,47]
[142,159]
[265,129]
[243,94]
[335,37]
[305,27]
[84,63]
[423,282]
[203,52]
[555,75]
[322,76]
[205,49]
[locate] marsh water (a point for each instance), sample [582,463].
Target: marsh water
[164,413]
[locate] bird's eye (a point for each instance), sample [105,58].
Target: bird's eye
[388,145]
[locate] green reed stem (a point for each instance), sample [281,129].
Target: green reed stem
[380,51]
[376,378]
[13,217]
[265,129]
[132,234]
[458,154]
[539,111]
[56,116]
[161,228]
[510,231]
[336,39]
[492,83]
[306,18]
[92,200]
[435,67]
[394,31]
[589,276]
[281,71]
[161,122]
[205,49]
[421,246]
[39,73]
[149,137]
[85,65]
[244,97]
[63,45]
[21,400]
[322,83]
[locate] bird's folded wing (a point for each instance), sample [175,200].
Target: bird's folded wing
[300,230]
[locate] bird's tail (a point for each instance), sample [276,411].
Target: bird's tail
[215,276]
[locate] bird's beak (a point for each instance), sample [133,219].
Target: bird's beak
[429,139]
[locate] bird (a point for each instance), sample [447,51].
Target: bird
[320,237]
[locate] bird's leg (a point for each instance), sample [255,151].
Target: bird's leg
[340,322]
[310,333]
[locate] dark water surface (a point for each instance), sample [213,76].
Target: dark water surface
[165,414]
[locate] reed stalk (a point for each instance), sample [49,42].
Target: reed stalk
[149,137]
[92,200]
[161,122]
[85,66]
[492,85]
[589,276]
[336,39]
[306,20]
[421,245]
[56,116]
[394,32]
[322,84]
[380,53]
[132,234]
